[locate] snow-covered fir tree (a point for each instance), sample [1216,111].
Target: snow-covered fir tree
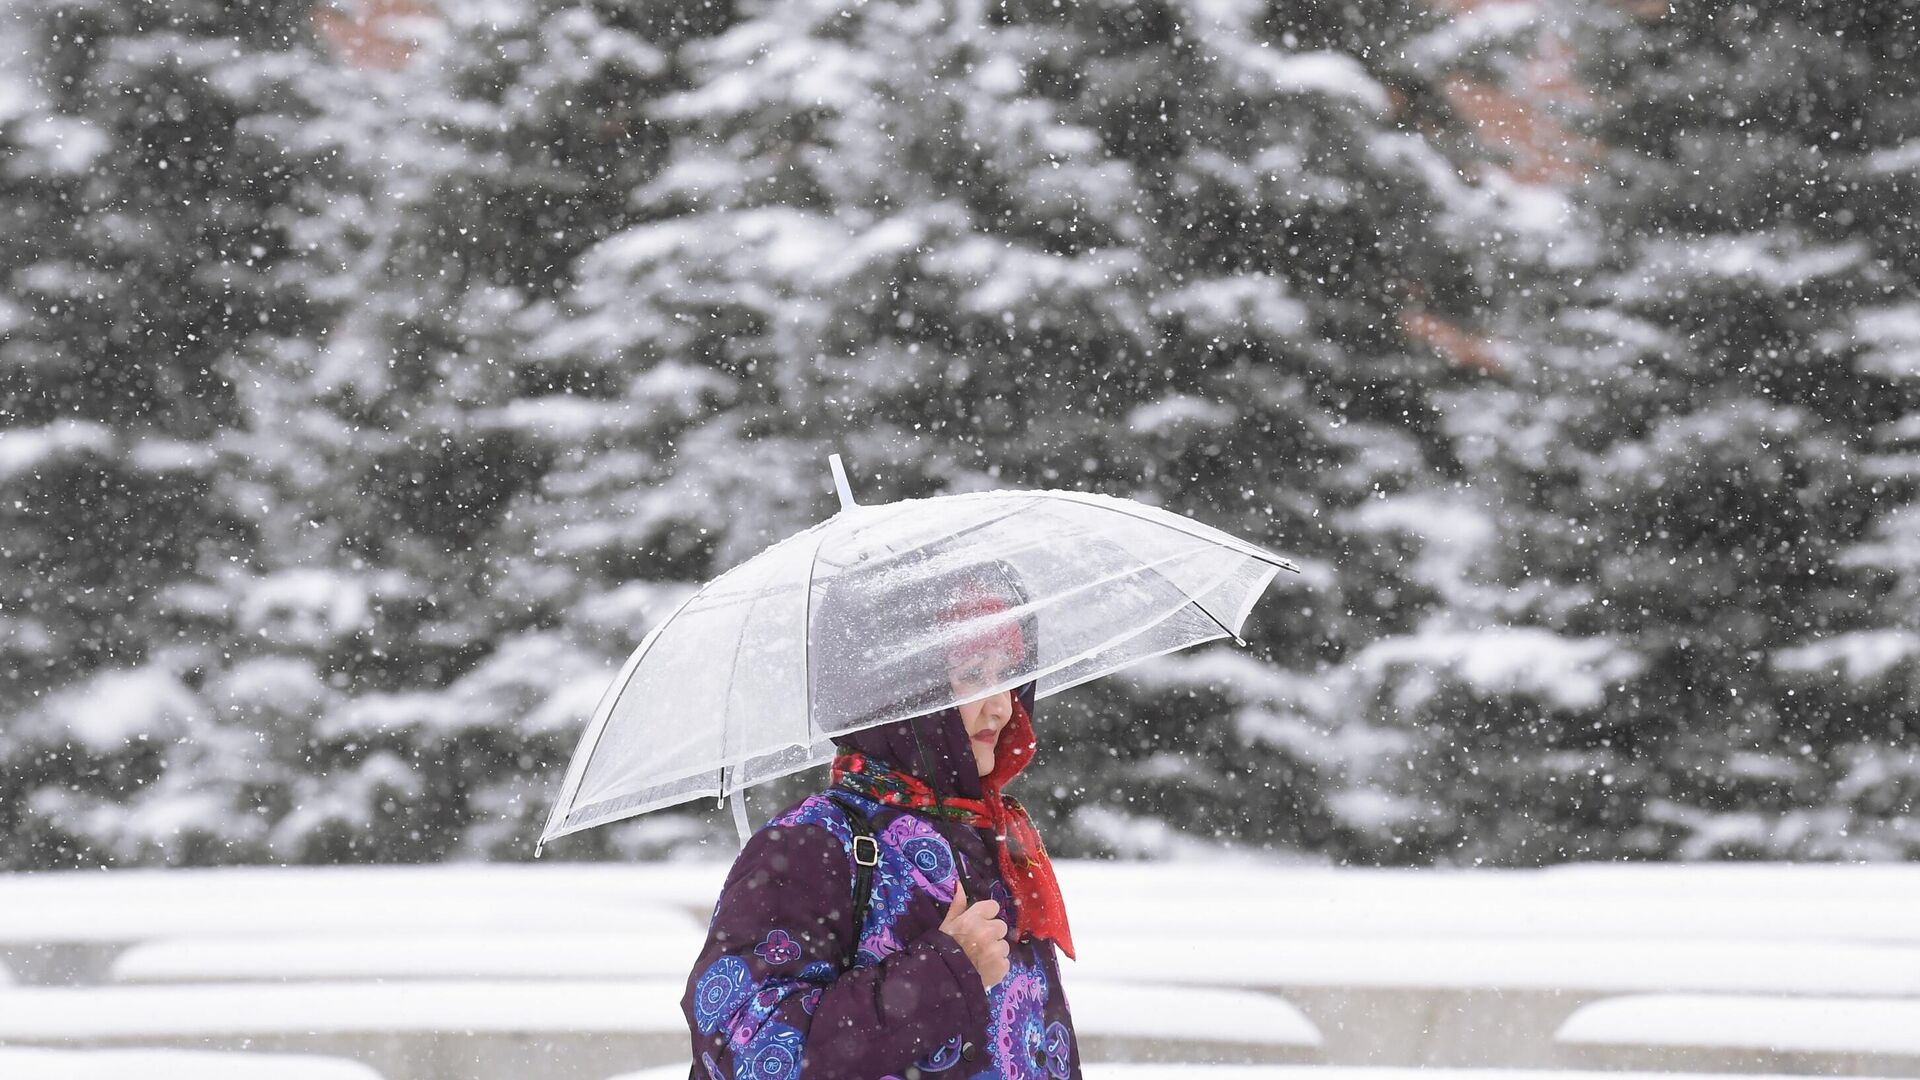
[1708,475]
[376,373]
[1194,254]
[146,254]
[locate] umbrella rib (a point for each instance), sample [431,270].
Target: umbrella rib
[731,774]
[597,726]
[646,807]
[1144,566]
[806,637]
[1025,506]
[1179,524]
[1216,620]
[1194,600]
[1087,678]
[1128,635]
[1138,630]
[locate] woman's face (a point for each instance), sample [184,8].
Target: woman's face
[985,717]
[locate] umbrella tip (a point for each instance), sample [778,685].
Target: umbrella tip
[840,481]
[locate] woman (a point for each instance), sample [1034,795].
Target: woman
[953,970]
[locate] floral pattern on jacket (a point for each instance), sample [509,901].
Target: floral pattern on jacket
[768,1000]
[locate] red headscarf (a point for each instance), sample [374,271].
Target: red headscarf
[1038,909]
[1023,859]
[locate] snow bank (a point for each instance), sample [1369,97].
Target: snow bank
[1585,965]
[1776,1025]
[649,888]
[1220,894]
[1264,959]
[1101,1071]
[1514,916]
[1211,1015]
[1137,1071]
[1732,881]
[111,917]
[578,954]
[1224,872]
[1112,1010]
[159,1012]
[24,1064]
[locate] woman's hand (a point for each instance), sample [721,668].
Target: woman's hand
[981,933]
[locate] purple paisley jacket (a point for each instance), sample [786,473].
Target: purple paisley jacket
[767,999]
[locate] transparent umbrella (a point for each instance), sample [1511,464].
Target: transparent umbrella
[853,622]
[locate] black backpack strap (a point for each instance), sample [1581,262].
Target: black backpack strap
[866,856]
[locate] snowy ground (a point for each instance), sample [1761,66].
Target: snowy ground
[561,972]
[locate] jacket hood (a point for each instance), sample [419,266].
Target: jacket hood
[934,748]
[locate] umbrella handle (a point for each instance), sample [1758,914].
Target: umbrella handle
[840,482]
[739,801]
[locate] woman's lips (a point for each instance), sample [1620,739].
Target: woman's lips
[986,736]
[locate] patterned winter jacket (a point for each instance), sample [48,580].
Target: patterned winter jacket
[767,997]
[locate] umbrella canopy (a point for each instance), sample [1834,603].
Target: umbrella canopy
[883,612]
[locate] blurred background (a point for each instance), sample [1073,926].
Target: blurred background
[375,373]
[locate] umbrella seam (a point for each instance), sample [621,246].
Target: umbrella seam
[1183,524]
[806,637]
[597,725]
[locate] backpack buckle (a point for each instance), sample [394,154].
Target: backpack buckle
[869,855]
